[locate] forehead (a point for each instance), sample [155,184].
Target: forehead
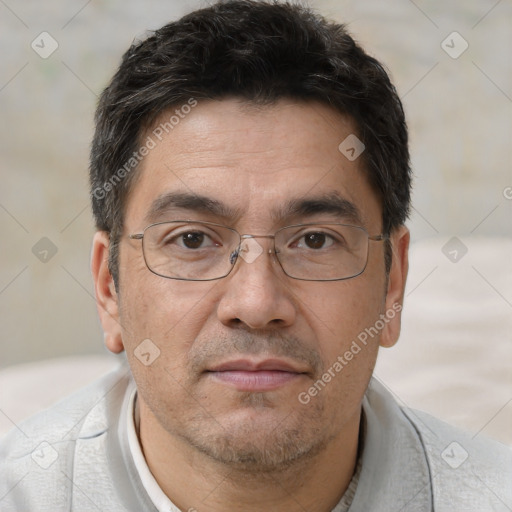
[253,161]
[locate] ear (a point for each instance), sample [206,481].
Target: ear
[106,296]
[399,240]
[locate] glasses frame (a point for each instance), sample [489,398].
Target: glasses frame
[140,236]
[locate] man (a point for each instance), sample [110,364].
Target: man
[250,182]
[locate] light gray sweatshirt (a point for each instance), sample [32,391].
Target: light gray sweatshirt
[75,457]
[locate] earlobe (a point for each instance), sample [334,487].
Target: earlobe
[106,295]
[396,286]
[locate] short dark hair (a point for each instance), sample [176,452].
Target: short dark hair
[259,51]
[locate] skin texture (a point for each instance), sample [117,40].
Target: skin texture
[210,445]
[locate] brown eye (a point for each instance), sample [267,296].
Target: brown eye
[315,240]
[193,240]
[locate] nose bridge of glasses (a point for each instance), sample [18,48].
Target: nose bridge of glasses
[250,249]
[247,245]
[243,237]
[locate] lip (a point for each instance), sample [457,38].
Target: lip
[250,375]
[249,365]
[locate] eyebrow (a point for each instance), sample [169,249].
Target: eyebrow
[166,203]
[331,203]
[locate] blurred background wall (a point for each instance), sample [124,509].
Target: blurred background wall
[449,60]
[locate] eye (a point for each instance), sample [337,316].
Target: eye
[191,240]
[317,240]
[314,240]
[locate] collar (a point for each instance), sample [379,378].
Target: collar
[392,472]
[155,493]
[395,473]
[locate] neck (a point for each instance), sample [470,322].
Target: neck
[194,481]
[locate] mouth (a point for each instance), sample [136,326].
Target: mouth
[250,375]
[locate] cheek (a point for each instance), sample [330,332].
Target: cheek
[160,320]
[168,312]
[340,318]
[339,311]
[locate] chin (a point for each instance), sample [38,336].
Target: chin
[260,439]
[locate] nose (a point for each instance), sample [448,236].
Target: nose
[256,292]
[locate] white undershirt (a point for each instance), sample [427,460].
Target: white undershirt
[159,498]
[155,493]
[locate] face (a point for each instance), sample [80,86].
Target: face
[240,358]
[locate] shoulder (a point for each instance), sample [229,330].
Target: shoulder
[36,456]
[66,418]
[471,470]
[458,470]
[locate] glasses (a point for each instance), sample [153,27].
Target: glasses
[205,251]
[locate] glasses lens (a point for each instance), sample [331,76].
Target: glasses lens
[322,252]
[189,250]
